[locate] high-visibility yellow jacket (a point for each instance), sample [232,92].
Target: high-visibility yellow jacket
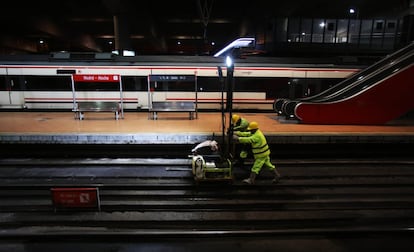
[241,125]
[258,142]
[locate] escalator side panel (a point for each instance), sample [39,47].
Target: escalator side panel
[379,104]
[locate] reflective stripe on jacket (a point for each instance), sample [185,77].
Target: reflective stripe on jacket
[258,142]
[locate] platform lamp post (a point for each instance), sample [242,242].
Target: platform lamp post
[228,50]
[223,114]
[229,100]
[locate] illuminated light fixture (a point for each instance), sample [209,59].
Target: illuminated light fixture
[241,42]
[229,61]
[125,53]
[322,24]
[128,53]
[352,10]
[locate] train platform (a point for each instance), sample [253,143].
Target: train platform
[24,127]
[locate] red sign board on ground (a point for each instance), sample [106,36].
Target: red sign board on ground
[76,197]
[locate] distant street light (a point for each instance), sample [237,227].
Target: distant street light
[354,12]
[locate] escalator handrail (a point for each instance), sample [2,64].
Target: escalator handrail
[365,72]
[352,82]
[368,79]
[368,83]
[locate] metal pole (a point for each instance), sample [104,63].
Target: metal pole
[229,104]
[196,95]
[149,96]
[73,92]
[223,115]
[122,97]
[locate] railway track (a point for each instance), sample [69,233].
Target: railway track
[158,199]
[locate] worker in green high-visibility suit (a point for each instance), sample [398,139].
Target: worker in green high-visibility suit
[240,124]
[261,151]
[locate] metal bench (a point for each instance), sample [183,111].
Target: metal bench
[100,106]
[172,107]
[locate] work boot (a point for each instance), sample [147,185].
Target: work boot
[251,179]
[277,177]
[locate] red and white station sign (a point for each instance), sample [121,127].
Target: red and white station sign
[75,197]
[96,77]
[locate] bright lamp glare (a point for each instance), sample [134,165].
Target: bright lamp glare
[229,61]
[238,43]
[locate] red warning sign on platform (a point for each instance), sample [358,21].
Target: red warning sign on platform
[75,197]
[96,77]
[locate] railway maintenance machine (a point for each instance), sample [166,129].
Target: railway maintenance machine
[211,167]
[216,163]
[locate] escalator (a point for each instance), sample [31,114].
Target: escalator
[286,107]
[382,96]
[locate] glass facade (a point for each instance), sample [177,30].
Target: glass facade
[377,33]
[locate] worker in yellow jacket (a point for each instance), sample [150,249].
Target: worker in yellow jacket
[239,123]
[261,151]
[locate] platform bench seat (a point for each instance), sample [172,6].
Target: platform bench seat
[98,106]
[176,106]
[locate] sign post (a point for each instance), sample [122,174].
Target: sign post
[98,78]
